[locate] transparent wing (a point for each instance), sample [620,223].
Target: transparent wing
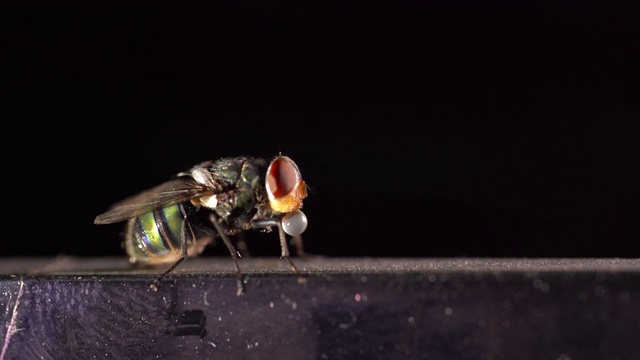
[168,193]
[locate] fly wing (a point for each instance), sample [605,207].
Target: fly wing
[168,193]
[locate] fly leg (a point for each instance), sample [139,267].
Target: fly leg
[242,244]
[183,252]
[284,248]
[297,243]
[232,250]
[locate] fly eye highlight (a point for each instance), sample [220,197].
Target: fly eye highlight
[294,223]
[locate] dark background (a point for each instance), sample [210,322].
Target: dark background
[432,128]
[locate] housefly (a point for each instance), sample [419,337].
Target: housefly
[179,218]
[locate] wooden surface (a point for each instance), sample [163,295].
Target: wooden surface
[69,308]
[317,264]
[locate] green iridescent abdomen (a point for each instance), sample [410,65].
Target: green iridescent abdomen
[156,237]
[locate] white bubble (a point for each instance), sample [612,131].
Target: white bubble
[294,223]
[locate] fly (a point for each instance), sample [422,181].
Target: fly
[179,218]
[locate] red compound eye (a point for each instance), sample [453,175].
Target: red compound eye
[282,177]
[284,185]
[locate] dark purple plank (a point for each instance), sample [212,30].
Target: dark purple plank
[435,309]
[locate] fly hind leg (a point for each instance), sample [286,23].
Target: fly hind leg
[183,252]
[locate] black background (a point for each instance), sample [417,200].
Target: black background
[428,128]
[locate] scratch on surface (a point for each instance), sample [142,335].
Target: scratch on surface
[205,298]
[11,327]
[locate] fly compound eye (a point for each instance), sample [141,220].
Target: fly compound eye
[284,185]
[294,223]
[282,177]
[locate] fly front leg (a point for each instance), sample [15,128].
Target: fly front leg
[296,241]
[284,248]
[285,253]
